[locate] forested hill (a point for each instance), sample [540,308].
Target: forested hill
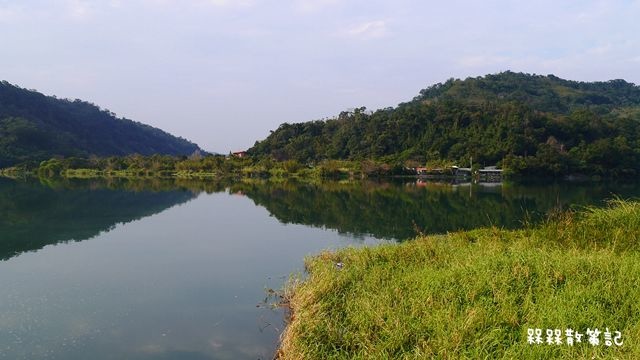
[35,127]
[530,124]
[543,93]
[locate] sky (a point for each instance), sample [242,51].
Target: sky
[223,73]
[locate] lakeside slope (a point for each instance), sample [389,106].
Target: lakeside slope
[529,125]
[35,127]
[475,294]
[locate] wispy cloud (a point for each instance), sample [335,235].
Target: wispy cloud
[595,11]
[368,30]
[600,50]
[79,9]
[115,3]
[311,6]
[231,3]
[190,3]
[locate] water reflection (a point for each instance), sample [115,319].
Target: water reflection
[155,280]
[34,215]
[178,269]
[399,210]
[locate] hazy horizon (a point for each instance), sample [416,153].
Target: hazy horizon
[224,73]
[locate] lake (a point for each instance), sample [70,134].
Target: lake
[163,269]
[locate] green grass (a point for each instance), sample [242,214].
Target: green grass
[474,294]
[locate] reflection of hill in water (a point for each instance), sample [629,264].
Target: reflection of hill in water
[395,211]
[33,215]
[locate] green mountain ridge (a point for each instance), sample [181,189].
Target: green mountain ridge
[529,124]
[35,127]
[543,93]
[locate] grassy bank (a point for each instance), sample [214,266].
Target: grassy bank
[210,166]
[475,294]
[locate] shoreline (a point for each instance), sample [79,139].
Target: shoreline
[309,174]
[474,294]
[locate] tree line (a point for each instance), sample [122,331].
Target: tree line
[531,125]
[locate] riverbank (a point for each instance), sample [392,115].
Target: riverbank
[235,167]
[476,294]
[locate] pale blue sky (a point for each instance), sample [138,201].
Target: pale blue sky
[222,73]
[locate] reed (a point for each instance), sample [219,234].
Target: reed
[475,294]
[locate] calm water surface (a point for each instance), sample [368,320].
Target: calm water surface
[157,270]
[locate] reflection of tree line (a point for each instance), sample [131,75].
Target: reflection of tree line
[135,184]
[396,211]
[33,216]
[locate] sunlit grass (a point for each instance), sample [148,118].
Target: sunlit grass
[474,294]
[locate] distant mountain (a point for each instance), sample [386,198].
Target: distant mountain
[34,127]
[530,124]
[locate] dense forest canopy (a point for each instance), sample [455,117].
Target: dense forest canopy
[529,124]
[34,127]
[542,93]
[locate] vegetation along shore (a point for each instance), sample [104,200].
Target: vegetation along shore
[527,125]
[477,294]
